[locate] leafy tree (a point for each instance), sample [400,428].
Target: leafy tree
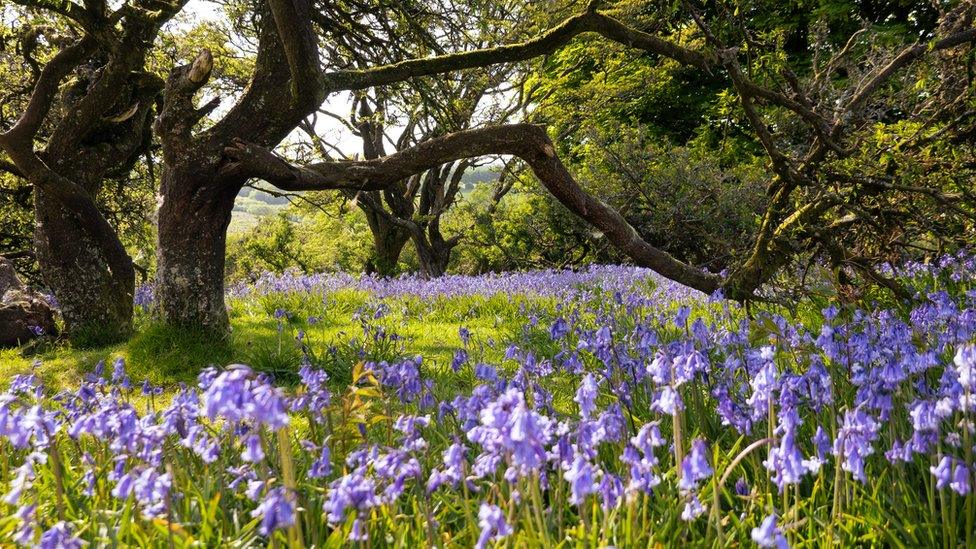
[307,238]
[66,142]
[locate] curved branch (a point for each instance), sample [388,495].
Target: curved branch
[22,133]
[546,43]
[527,141]
[285,86]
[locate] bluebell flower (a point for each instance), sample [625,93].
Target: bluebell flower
[559,329]
[681,316]
[485,372]
[316,398]
[960,479]
[648,438]
[355,491]
[965,362]
[693,509]
[460,357]
[586,395]
[942,472]
[118,374]
[695,466]
[27,529]
[277,511]
[151,490]
[821,442]
[668,401]
[22,481]
[237,395]
[410,426]
[688,365]
[322,466]
[581,478]
[764,385]
[253,452]
[787,463]
[60,536]
[855,441]
[358,531]
[611,491]
[493,526]
[768,534]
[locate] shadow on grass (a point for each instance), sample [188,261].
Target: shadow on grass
[166,355]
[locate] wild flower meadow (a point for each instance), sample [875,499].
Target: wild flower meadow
[617,410]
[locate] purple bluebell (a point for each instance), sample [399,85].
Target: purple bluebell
[768,534]
[942,472]
[695,466]
[960,482]
[60,536]
[581,478]
[493,525]
[253,452]
[586,395]
[693,509]
[460,358]
[27,529]
[322,466]
[453,471]
[276,510]
[352,491]
[668,401]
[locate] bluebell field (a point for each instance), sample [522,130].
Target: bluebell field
[623,411]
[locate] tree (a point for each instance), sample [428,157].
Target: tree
[812,126]
[412,209]
[93,128]
[811,205]
[198,187]
[420,109]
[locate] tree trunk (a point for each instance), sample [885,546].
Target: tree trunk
[191,241]
[388,242]
[433,256]
[87,268]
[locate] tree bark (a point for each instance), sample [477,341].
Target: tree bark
[197,193]
[86,266]
[434,254]
[191,241]
[388,242]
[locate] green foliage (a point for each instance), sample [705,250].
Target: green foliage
[311,240]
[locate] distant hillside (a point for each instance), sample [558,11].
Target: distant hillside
[253,204]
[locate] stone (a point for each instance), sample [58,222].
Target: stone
[24,313]
[8,277]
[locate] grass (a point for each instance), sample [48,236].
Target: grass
[168,356]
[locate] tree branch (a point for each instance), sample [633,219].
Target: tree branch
[21,135]
[589,21]
[526,141]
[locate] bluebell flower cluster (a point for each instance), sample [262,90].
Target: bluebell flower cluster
[629,399]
